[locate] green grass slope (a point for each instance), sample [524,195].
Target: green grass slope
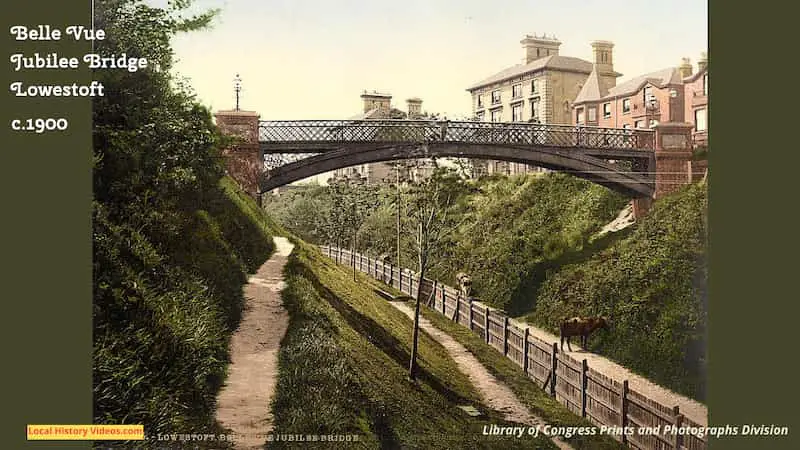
[652,284]
[165,303]
[518,226]
[343,369]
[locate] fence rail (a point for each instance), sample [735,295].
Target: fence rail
[583,390]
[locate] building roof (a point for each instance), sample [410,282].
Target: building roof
[695,76]
[591,90]
[552,62]
[659,78]
[378,113]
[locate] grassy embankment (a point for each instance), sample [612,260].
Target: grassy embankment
[529,244]
[165,304]
[530,394]
[343,369]
[652,284]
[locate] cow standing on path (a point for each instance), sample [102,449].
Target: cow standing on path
[580,326]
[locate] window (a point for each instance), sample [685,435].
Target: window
[579,117]
[495,97]
[497,115]
[626,105]
[481,115]
[516,113]
[535,109]
[535,87]
[626,126]
[705,84]
[606,110]
[516,91]
[639,124]
[480,101]
[700,120]
[648,94]
[592,113]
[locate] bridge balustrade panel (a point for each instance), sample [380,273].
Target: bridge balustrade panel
[417,131]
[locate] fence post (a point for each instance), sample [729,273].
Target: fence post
[400,278]
[444,300]
[584,384]
[554,361]
[458,308]
[486,324]
[505,335]
[624,409]
[525,350]
[470,316]
[676,411]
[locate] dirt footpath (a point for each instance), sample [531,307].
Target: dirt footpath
[495,394]
[243,404]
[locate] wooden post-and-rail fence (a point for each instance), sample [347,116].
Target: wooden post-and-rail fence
[583,390]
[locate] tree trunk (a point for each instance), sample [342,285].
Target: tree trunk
[354,255]
[412,368]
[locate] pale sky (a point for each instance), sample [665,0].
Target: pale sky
[312,59]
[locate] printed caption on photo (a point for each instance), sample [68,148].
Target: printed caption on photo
[51,60]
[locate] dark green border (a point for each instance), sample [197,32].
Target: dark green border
[46,237]
[754,251]
[46,243]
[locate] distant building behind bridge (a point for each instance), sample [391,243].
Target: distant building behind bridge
[377,106]
[541,89]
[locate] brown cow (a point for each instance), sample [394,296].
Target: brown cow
[581,326]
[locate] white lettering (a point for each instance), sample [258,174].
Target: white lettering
[40,33]
[88,34]
[122,61]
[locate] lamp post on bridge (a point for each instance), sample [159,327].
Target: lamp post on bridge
[237,87]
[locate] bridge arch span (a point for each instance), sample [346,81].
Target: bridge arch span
[583,163]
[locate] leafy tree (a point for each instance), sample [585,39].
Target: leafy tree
[353,201]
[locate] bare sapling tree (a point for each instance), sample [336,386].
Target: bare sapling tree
[430,207]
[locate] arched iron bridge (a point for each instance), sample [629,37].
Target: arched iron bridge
[620,159]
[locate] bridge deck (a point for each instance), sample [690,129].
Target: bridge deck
[306,136]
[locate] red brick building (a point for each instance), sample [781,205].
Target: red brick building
[674,94]
[696,104]
[641,102]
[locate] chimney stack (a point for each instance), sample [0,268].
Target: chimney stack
[539,47]
[702,64]
[414,107]
[685,68]
[603,57]
[376,100]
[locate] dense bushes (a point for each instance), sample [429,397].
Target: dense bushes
[173,240]
[521,222]
[652,286]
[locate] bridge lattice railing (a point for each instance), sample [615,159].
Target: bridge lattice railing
[421,131]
